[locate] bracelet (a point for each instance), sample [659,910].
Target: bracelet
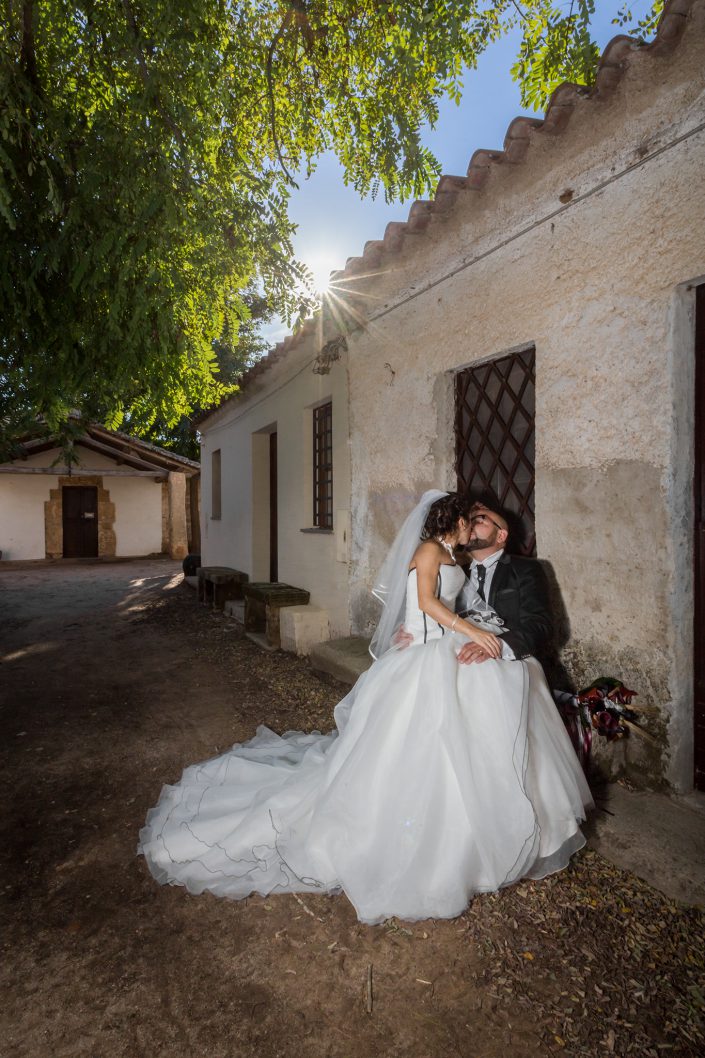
[455,621]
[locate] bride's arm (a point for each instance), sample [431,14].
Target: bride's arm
[428,563]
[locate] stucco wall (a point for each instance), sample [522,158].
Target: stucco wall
[138,512]
[240,538]
[586,250]
[22,501]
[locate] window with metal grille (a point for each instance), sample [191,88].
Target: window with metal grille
[323,466]
[494,435]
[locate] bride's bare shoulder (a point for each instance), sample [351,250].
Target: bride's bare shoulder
[426,554]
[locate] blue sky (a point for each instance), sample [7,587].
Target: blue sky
[334,223]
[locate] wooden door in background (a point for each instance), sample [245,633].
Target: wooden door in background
[80,520]
[699,496]
[273,530]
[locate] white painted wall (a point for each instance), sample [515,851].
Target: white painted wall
[22,514]
[138,515]
[240,429]
[22,498]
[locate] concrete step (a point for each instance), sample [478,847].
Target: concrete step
[658,837]
[343,659]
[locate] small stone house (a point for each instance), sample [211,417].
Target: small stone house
[121,497]
[537,328]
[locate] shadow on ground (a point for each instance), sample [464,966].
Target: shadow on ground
[112,681]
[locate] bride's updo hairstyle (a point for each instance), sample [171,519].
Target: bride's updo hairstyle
[444,515]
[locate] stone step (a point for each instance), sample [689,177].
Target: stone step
[343,659]
[235,608]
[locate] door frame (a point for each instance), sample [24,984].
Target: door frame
[273,513]
[53,516]
[261,513]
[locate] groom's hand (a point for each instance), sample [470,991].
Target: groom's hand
[471,653]
[402,638]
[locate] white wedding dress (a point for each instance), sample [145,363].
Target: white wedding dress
[440,781]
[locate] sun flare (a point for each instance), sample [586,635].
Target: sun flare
[321,262]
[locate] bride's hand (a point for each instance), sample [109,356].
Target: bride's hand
[487,641]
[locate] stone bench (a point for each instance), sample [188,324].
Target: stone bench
[264,600]
[217,584]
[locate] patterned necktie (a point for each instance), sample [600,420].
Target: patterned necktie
[481,571]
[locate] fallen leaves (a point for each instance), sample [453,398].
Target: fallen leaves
[604,961]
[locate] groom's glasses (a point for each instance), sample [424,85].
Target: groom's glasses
[480,519]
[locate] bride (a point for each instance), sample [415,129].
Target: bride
[440,781]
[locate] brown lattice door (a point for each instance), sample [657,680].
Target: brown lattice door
[494,435]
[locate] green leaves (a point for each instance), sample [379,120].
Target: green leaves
[557,45]
[145,153]
[641,28]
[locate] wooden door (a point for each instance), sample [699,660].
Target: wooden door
[273,530]
[699,490]
[80,518]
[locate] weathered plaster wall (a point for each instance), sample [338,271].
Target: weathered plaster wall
[585,250]
[282,401]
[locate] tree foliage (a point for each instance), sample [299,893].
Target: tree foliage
[557,44]
[146,156]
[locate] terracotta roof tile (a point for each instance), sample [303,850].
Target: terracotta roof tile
[518,137]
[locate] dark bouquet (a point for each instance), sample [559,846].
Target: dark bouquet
[604,708]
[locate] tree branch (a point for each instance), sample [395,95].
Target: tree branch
[28,56]
[270,91]
[147,81]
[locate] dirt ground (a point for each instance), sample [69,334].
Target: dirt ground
[113,679]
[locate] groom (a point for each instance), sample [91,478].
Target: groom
[515,587]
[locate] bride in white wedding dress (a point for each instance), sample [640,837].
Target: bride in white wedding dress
[440,780]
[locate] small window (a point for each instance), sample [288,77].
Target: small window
[215,484]
[323,466]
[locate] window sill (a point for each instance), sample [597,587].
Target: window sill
[319,532]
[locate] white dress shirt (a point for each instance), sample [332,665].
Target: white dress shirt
[490,564]
[468,593]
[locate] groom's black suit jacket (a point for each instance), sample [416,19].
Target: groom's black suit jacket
[519,594]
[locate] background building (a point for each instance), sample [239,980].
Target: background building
[120,497]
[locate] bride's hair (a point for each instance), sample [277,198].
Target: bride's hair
[444,515]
